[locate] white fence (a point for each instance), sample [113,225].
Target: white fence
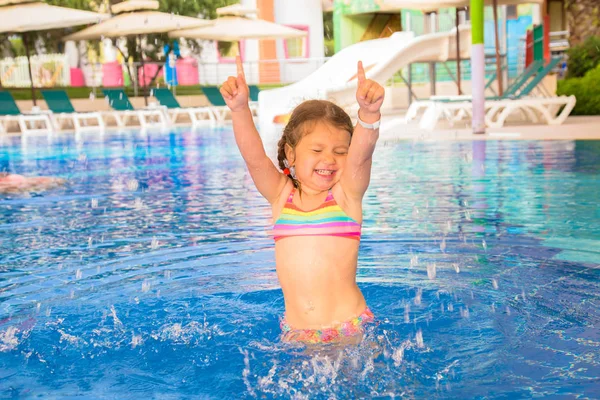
[277,71]
[53,70]
[47,70]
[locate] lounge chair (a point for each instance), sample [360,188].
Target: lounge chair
[197,115]
[218,105]
[552,110]
[254,90]
[124,111]
[511,91]
[9,111]
[62,110]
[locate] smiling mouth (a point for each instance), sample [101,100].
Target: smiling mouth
[325,172]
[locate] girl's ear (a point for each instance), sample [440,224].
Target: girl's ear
[290,154]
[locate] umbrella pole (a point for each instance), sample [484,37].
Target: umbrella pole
[458,54]
[143,72]
[498,61]
[26,45]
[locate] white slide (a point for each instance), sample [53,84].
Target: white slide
[382,58]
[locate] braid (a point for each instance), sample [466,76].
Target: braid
[281,153]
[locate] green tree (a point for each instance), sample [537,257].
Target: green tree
[206,9]
[583,18]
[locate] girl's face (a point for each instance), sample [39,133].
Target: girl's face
[320,157]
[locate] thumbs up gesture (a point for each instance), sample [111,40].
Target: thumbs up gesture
[369,94]
[235,90]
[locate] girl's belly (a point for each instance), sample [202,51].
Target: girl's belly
[318,278]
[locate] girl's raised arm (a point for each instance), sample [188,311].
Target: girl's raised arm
[267,178]
[357,173]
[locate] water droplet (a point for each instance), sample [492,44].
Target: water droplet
[407,313]
[135,340]
[456,267]
[154,244]
[415,212]
[414,261]
[94,203]
[146,286]
[90,241]
[78,274]
[495,284]
[133,185]
[418,296]
[431,271]
[484,244]
[419,339]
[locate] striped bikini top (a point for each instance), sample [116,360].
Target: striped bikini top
[326,220]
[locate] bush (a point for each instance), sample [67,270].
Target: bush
[586,90]
[584,57]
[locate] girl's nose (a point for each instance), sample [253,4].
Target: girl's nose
[329,158]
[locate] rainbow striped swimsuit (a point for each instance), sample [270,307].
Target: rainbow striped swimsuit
[326,220]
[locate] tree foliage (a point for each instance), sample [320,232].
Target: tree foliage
[206,9]
[586,91]
[51,41]
[583,18]
[584,57]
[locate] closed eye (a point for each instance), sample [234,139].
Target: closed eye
[317,151]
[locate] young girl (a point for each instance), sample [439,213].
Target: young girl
[316,203]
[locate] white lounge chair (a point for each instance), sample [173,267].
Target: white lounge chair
[28,122]
[62,111]
[124,111]
[197,115]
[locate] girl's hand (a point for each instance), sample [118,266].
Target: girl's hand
[235,90]
[369,95]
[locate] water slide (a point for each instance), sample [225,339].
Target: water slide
[382,58]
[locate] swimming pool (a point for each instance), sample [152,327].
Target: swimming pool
[151,274]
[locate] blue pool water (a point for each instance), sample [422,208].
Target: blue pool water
[151,274]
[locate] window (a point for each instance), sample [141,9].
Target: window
[297,47]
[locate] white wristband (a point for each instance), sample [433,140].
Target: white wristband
[374,125]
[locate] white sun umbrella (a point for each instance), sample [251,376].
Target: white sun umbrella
[136,18]
[22,16]
[231,29]
[236,9]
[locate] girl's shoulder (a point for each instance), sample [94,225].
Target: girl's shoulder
[278,204]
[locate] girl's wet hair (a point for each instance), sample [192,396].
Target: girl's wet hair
[302,121]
